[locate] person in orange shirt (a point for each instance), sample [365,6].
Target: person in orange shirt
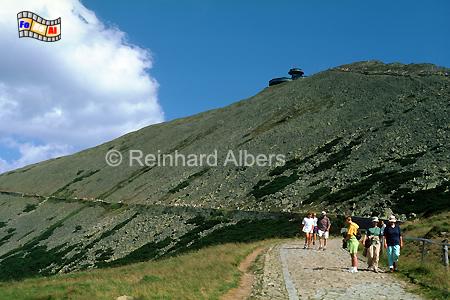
[352,243]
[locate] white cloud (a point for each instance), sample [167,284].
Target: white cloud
[31,153]
[87,88]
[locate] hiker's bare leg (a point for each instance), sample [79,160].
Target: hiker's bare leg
[354,260]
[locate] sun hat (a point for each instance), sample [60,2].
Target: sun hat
[375,219]
[392,219]
[323,212]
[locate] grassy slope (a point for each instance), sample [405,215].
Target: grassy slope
[204,274]
[209,272]
[431,276]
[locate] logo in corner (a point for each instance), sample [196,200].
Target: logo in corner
[33,26]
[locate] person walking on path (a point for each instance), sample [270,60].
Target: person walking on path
[371,242]
[308,227]
[315,229]
[393,241]
[323,225]
[352,243]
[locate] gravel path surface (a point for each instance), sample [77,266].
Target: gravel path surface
[321,274]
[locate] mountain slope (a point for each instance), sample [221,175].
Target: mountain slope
[362,138]
[361,131]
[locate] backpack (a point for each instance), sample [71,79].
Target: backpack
[344,244]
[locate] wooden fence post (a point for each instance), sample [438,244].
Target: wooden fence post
[445,252]
[423,252]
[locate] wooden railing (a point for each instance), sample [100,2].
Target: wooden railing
[444,244]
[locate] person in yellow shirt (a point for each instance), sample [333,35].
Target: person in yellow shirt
[352,243]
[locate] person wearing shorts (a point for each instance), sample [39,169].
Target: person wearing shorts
[315,229]
[352,243]
[323,226]
[307,229]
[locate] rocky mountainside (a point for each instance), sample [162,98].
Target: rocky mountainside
[362,138]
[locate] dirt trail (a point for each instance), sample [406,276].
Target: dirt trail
[245,285]
[314,274]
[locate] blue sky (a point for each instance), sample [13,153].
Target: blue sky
[100,81]
[208,54]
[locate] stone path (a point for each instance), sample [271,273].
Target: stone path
[313,274]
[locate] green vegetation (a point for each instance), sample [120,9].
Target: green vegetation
[409,159]
[33,258]
[115,206]
[266,187]
[242,231]
[249,231]
[65,192]
[362,138]
[337,157]
[332,127]
[291,164]
[320,193]
[428,202]
[125,182]
[262,188]
[383,181]
[187,182]
[147,252]
[6,238]
[30,207]
[26,234]
[204,274]
[151,278]
[431,276]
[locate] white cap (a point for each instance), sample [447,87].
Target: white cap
[392,219]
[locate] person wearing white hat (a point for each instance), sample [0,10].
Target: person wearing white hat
[372,245]
[393,241]
[323,225]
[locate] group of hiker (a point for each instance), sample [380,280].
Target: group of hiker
[314,227]
[376,237]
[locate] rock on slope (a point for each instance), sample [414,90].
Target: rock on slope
[361,131]
[364,137]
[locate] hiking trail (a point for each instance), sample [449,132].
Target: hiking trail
[291,272]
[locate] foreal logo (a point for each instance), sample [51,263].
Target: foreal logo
[33,26]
